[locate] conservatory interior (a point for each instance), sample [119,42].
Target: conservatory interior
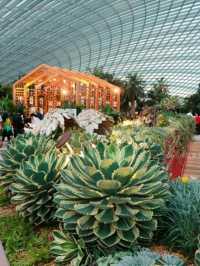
[100,133]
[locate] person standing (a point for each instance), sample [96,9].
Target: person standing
[18,124]
[6,127]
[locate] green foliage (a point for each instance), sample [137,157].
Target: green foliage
[170,103]
[111,78]
[134,91]
[110,195]
[192,103]
[6,104]
[180,224]
[108,110]
[68,104]
[159,91]
[19,150]
[4,200]
[6,91]
[33,188]
[144,257]
[181,128]
[66,249]
[162,121]
[80,137]
[23,246]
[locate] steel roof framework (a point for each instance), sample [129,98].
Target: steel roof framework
[155,38]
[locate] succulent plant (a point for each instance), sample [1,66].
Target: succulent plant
[33,189]
[143,257]
[180,223]
[19,150]
[67,249]
[109,195]
[149,258]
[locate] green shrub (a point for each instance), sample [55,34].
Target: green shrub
[33,188]
[19,150]
[180,223]
[109,195]
[144,257]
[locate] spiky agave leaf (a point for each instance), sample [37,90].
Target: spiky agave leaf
[33,188]
[19,151]
[109,195]
[67,249]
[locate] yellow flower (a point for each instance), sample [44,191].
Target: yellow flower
[185,179]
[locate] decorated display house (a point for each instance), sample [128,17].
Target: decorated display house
[47,87]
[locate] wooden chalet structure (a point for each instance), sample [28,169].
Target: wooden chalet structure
[47,87]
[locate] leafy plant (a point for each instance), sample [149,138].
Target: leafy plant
[162,121]
[66,249]
[93,121]
[19,150]
[6,104]
[180,224]
[33,187]
[170,103]
[134,90]
[54,121]
[143,257]
[110,195]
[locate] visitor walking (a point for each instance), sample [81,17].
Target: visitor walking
[6,127]
[18,124]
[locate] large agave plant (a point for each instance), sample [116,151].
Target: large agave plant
[33,188]
[109,195]
[19,150]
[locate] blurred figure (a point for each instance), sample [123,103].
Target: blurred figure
[18,124]
[6,127]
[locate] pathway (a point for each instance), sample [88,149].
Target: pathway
[192,167]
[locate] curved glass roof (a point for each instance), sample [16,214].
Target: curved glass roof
[155,38]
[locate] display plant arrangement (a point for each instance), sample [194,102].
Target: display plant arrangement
[18,151]
[110,196]
[34,187]
[143,257]
[180,223]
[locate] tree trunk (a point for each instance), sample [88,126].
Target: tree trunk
[132,108]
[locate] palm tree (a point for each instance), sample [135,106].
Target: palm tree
[159,91]
[134,91]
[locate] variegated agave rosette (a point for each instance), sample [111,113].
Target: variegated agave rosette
[20,150]
[110,194]
[34,186]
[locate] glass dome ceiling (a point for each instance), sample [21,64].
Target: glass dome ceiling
[155,38]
